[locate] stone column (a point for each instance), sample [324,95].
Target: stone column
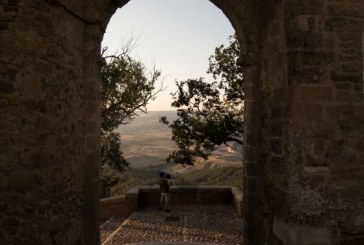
[49,150]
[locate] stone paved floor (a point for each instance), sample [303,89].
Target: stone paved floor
[208,224]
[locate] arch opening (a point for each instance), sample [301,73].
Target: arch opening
[175,45]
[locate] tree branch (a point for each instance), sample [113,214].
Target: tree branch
[240,142]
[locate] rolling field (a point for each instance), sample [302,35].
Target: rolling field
[146,144]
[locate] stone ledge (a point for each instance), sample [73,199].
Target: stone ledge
[190,188]
[141,196]
[110,200]
[294,234]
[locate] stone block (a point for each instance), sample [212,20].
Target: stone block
[251,153]
[317,171]
[304,40]
[22,180]
[316,93]
[308,7]
[314,162]
[345,77]
[252,169]
[306,112]
[299,74]
[314,235]
[341,23]
[252,187]
[92,142]
[250,91]
[294,234]
[275,111]
[275,30]
[352,239]
[280,95]
[276,129]
[116,206]
[303,23]
[317,58]
[318,146]
[276,146]
[345,159]
[345,9]
[278,165]
[251,139]
[353,67]
[7,87]
[348,96]
[343,85]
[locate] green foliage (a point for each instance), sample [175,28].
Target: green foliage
[111,153]
[109,178]
[126,89]
[223,66]
[209,114]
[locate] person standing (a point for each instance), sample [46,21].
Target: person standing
[164,189]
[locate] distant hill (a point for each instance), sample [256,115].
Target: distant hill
[147,142]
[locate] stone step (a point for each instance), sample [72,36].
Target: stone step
[108,228]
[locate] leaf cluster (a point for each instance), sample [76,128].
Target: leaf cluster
[125,90]
[209,114]
[111,154]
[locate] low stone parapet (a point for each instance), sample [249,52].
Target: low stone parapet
[142,196]
[186,195]
[120,205]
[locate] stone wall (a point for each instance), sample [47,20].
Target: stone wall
[120,205]
[303,66]
[186,195]
[49,126]
[313,122]
[325,141]
[145,196]
[274,109]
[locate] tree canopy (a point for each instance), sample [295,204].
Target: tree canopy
[126,89]
[209,113]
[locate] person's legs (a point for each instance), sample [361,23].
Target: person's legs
[166,202]
[162,200]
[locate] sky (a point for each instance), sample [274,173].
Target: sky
[176,36]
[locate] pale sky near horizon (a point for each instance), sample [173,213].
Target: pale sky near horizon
[178,36]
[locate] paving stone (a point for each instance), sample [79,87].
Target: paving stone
[208,224]
[109,227]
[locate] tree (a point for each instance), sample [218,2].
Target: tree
[209,114]
[111,153]
[126,89]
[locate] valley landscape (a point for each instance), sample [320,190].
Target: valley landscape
[146,144]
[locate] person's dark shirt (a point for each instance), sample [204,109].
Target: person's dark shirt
[163,185]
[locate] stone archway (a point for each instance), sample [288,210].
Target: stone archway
[304,113]
[244,18]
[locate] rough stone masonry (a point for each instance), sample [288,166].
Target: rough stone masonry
[304,127]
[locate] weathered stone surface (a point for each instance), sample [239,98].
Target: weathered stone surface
[304,114]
